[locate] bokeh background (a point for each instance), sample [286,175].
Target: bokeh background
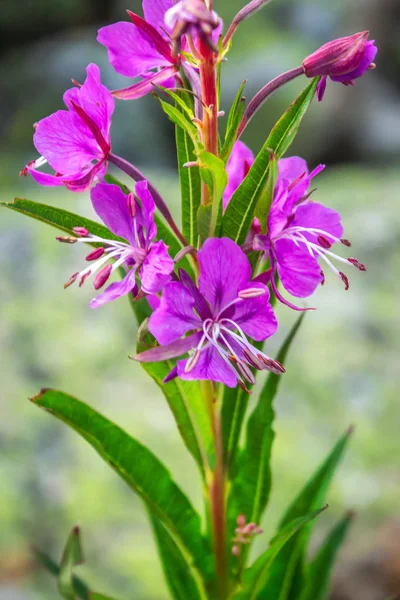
[344,367]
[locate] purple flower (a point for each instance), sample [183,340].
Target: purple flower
[343,60]
[75,142]
[300,233]
[144,49]
[219,314]
[131,219]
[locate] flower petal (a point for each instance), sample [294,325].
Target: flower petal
[115,290]
[169,351]
[155,272]
[94,98]
[224,270]
[165,78]
[111,204]
[66,142]
[255,316]
[129,51]
[154,13]
[238,166]
[316,215]
[44,178]
[321,88]
[210,367]
[369,55]
[175,316]
[298,271]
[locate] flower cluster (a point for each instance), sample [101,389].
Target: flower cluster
[212,320]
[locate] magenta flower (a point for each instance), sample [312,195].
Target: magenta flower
[131,219]
[300,233]
[142,49]
[343,60]
[219,314]
[75,142]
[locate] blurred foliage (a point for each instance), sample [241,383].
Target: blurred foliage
[345,369]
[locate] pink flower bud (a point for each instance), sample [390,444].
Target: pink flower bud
[337,57]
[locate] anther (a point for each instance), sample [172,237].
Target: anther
[132,206]
[323,277]
[357,264]
[345,280]
[243,387]
[71,280]
[322,241]
[345,242]
[252,293]
[84,277]
[66,239]
[102,277]
[81,231]
[95,254]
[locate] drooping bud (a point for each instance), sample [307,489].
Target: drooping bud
[337,57]
[193,18]
[102,277]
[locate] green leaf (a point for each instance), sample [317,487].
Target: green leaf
[179,100]
[318,574]
[252,482]
[240,211]
[214,175]
[71,557]
[264,203]
[94,596]
[182,585]
[290,561]
[232,126]
[190,185]
[141,470]
[59,218]
[255,576]
[234,406]
[185,401]
[177,117]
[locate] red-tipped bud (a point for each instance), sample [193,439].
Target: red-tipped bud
[95,254]
[102,277]
[81,231]
[357,264]
[345,280]
[132,206]
[337,57]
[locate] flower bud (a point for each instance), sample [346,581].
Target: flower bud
[191,17]
[337,57]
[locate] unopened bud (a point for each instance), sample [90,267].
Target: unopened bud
[337,57]
[102,277]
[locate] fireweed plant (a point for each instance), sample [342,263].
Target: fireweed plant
[254,241]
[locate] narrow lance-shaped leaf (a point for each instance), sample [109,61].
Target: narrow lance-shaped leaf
[190,185]
[252,482]
[264,203]
[214,175]
[289,562]
[232,126]
[71,557]
[177,572]
[240,211]
[319,572]
[177,117]
[255,576]
[185,401]
[141,470]
[80,588]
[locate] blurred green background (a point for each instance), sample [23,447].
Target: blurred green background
[344,367]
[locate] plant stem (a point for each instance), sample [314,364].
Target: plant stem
[208,82]
[159,201]
[217,498]
[261,96]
